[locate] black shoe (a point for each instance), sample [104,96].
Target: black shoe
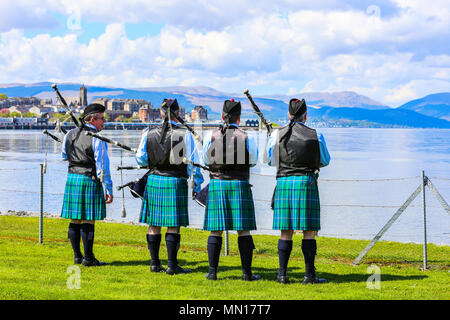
[78,260]
[157,269]
[177,270]
[211,276]
[313,280]
[92,263]
[282,279]
[250,277]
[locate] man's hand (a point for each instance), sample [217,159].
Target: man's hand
[193,194]
[109,198]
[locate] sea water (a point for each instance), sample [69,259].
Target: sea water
[371,174]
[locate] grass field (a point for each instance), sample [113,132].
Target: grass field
[29,270]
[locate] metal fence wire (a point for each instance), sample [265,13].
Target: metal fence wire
[425,182]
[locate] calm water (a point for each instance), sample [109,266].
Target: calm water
[353,206]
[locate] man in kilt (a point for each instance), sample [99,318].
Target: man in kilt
[230,153]
[298,152]
[84,197]
[165,200]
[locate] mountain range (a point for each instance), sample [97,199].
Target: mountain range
[325,108]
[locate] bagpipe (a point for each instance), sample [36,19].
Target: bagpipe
[137,187]
[58,127]
[113,142]
[258,112]
[52,136]
[79,122]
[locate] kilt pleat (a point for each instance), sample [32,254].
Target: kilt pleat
[165,202]
[84,198]
[296,204]
[229,206]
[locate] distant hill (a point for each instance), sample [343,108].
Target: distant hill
[345,99]
[434,105]
[377,118]
[338,108]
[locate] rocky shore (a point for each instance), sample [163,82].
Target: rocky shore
[26,214]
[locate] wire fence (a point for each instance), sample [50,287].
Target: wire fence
[258,200]
[444,235]
[353,205]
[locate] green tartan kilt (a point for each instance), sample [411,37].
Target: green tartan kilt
[165,202]
[84,198]
[296,204]
[229,206]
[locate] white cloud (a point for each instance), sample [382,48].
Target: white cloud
[414,89]
[25,14]
[271,48]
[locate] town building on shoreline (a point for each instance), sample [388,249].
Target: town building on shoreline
[199,113]
[116,109]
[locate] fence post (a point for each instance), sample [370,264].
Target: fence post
[41,215]
[424,182]
[124,212]
[226,243]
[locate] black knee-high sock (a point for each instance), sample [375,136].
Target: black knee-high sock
[87,234]
[309,249]
[75,237]
[214,246]
[284,252]
[154,242]
[173,244]
[246,246]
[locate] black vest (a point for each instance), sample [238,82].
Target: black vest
[298,152]
[80,153]
[228,155]
[159,153]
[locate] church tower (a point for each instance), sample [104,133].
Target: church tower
[83,96]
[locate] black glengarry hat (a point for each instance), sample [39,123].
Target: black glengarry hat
[297,108]
[231,108]
[170,104]
[93,108]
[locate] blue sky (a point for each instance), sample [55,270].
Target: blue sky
[90,29]
[391,50]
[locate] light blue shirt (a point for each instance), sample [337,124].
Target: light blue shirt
[100,149]
[273,140]
[252,147]
[191,154]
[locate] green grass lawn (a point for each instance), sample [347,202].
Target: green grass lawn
[29,270]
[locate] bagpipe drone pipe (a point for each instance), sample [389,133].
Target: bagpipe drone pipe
[137,187]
